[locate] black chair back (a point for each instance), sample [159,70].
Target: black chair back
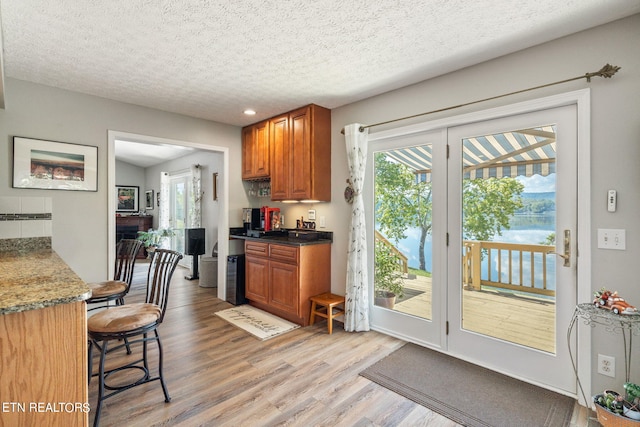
[126,253]
[163,264]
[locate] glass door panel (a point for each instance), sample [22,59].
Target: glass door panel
[404,201]
[508,232]
[403,225]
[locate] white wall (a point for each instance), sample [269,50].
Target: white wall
[80,234]
[131,175]
[615,142]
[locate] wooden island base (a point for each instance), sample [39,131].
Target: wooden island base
[43,354]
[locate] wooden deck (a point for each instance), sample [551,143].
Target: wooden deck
[524,321]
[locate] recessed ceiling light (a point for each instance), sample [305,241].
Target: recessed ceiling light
[250,112]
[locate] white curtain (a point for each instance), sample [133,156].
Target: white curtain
[195,195]
[164,208]
[357,295]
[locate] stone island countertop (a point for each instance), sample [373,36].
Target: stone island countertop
[34,277]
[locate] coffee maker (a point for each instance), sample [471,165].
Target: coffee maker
[270,218]
[251,219]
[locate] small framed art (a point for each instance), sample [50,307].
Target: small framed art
[127,198]
[148,199]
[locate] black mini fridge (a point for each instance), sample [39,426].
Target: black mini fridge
[235,280]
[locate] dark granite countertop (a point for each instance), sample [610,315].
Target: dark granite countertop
[287,237]
[33,277]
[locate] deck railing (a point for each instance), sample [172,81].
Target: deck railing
[404,261]
[509,273]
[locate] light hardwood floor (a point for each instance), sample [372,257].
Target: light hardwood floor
[219,375]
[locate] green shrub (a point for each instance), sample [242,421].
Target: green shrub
[387,274]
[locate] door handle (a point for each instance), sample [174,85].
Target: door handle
[566,256]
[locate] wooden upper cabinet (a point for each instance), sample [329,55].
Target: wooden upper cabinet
[279,142]
[304,158]
[247,152]
[294,151]
[255,151]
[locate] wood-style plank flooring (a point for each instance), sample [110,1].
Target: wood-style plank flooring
[219,375]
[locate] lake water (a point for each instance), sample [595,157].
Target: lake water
[524,229]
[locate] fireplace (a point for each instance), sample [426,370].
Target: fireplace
[126,232]
[127,227]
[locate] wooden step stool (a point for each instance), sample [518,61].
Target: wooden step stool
[323,305]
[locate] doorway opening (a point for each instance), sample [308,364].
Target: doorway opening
[222,202]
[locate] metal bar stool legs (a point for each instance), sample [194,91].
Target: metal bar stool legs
[105,390]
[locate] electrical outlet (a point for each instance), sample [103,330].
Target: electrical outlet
[607,365]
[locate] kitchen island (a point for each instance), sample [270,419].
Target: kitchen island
[43,337]
[283,270]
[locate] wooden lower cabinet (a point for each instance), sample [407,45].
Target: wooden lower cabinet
[284,292]
[43,354]
[257,269]
[280,279]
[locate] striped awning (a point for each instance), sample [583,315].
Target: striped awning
[523,152]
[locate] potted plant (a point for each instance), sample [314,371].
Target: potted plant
[154,238]
[632,402]
[388,284]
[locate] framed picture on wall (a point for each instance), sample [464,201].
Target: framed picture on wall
[127,198]
[54,165]
[148,199]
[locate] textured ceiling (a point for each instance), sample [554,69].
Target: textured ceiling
[214,58]
[146,155]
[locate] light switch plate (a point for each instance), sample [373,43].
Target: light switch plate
[612,239]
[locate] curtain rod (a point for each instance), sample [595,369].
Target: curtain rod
[607,72]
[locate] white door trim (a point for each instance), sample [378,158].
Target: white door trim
[582,99]
[223,196]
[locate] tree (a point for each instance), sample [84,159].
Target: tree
[403,202]
[488,205]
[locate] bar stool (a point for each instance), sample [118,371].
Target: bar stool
[133,323]
[114,290]
[326,305]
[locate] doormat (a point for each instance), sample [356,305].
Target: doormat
[466,393]
[258,323]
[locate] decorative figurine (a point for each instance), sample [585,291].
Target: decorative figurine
[611,301]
